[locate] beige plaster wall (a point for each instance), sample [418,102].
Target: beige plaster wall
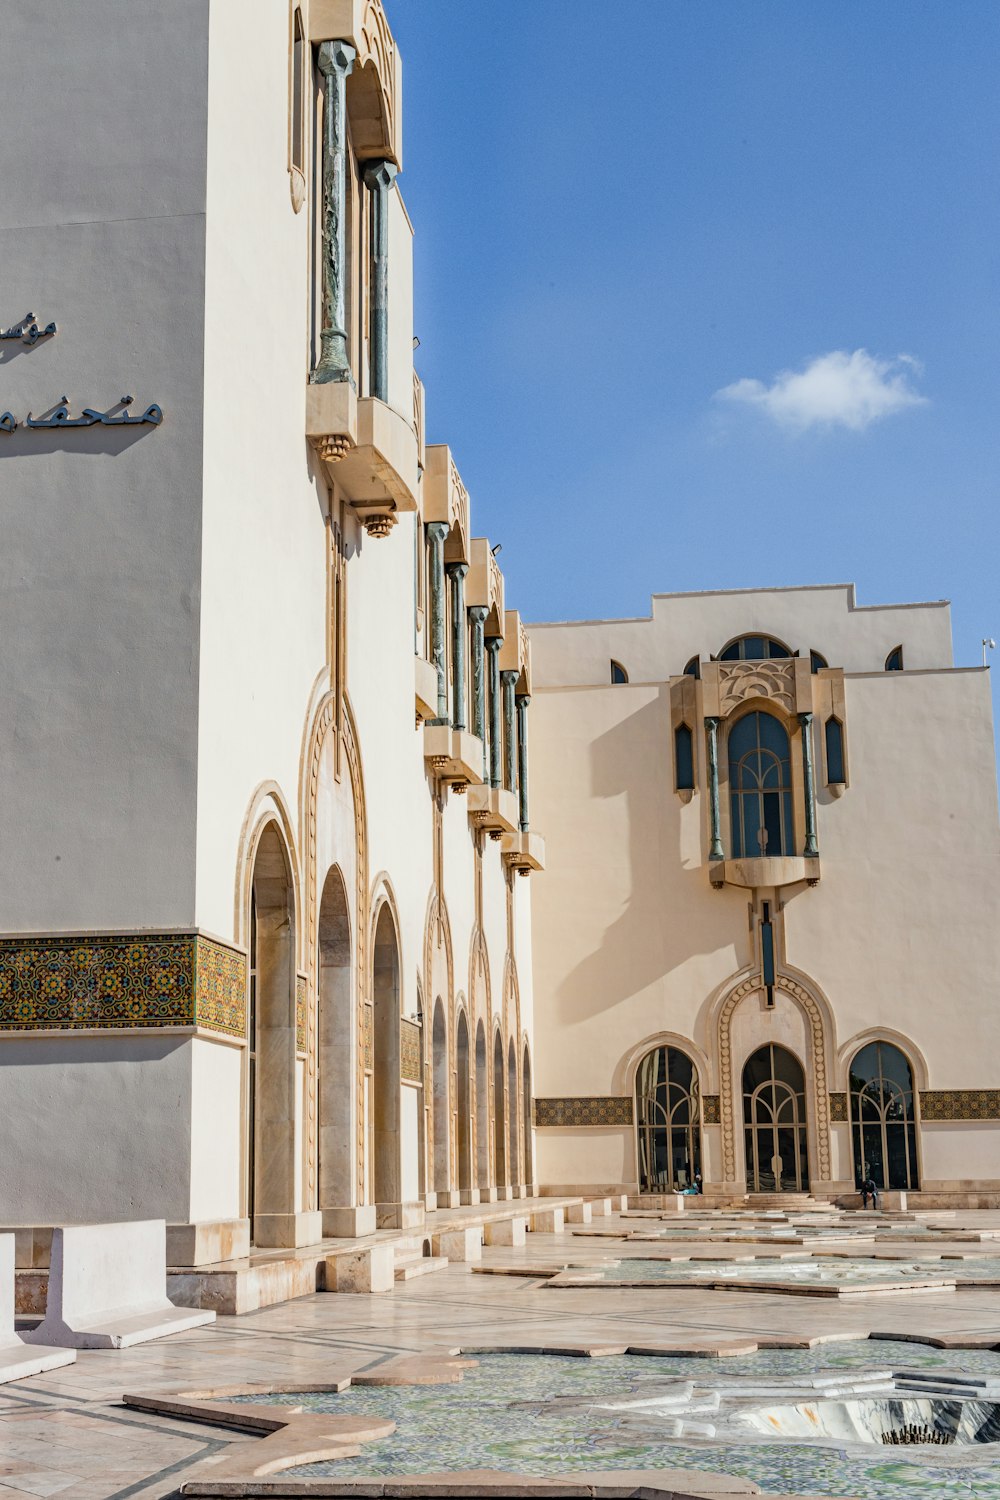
[901,937]
[825,619]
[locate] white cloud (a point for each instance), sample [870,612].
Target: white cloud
[834,390]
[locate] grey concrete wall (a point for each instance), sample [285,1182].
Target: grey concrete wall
[102,229]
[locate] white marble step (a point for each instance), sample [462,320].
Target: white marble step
[409,1266]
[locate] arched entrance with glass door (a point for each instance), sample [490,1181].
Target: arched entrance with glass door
[386,1148]
[668,1121]
[482,1112]
[336,1059]
[883,1119]
[774,1121]
[499,1118]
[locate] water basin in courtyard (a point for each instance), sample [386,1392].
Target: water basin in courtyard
[548,1415]
[827,1272]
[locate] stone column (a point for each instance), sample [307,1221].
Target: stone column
[456,572]
[436,533]
[508,679]
[379,177]
[811,850]
[522,702]
[336,59]
[715,850]
[477,614]
[493,644]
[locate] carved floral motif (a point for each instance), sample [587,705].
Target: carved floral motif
[741,681]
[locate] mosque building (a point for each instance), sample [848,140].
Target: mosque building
[282,951]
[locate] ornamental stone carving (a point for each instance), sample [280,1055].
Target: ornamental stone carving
[741,681]
[820,1100]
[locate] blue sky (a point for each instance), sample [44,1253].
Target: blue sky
[621,212]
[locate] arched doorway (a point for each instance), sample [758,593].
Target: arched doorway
[513,1154]
[464,1103]
[439,1071]
[529,1174]
[668,1121]
[774,1120]
[386,1169]
[336,1057]
[271,1054]
[482,1111]
[499,1120]
[883,1121]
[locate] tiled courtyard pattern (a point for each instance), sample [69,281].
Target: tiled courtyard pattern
[69,1434]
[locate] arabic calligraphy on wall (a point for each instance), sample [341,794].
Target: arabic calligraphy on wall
[28,331]
[117,415]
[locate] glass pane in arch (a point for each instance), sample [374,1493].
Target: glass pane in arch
[668,1121]
[883,1120]
[760,787]
[774,1115]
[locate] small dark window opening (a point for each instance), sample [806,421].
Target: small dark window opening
[834,751]
[684,758]
[817,662]
[298,92]
[767,951]
[693,668]
[618,672]
[894,661]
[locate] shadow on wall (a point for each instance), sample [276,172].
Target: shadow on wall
[633,759]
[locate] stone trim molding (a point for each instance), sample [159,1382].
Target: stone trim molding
[820,1087]
[410,1052]
[960,1104]
[583,1110]
[109,982]
[710,1110]
[301,1011]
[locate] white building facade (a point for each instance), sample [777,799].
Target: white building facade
[265,957]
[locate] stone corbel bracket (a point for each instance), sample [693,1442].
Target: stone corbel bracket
[367,450]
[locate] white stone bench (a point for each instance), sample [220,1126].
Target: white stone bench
[18,1360]
[108,1288]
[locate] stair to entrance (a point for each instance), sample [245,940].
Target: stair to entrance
[412,1264]
[787,1202]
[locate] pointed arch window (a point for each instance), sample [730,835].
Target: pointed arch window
[618,672]
[760,788]
[668,1121]
[693,668]
[834,737]
[894,661]
[883,1123]
[683,758]
[817,661]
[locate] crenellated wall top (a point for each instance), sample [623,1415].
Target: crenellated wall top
[375,87]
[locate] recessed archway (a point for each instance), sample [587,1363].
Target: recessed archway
[271,1054]
[386,1170]
[529,1173]
[513,1154]
[499,1119]
[463,1083]
[335,1062]
[439,1070]
[482,1111]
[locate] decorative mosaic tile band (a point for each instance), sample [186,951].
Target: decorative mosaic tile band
[410,1049]
[600,1109]
[368,1036]
[301,1001]
[710,1110]
[88,983]
[838,1108]
[960,1104]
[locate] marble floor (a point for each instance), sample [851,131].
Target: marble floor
[69,1434]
